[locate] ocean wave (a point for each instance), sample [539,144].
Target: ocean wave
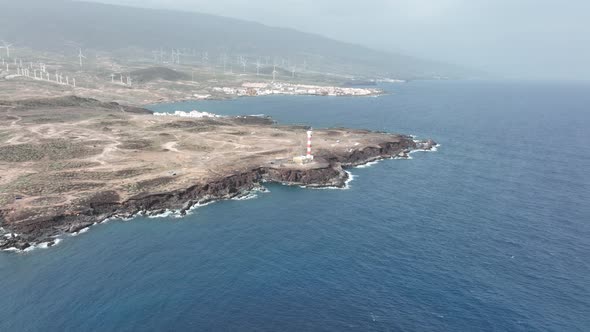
[195,206]
[245,197]
[345,187]
[164,214]
[432,149]
[83,230]
[369,164]
[42,245]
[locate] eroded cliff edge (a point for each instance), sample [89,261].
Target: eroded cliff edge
[68,165]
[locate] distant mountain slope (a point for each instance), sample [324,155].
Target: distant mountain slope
[155,73]
[51,24]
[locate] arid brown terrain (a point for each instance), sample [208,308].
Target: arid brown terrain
[66,163]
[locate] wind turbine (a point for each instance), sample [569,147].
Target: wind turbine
[173,55]
[162,53]
[258,67]
[113,78]
[7,47]
[81,56]
[274,72]
[176,56]
[224,59]
[293,72]
[243,60]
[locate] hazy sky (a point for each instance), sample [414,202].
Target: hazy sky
[515,38]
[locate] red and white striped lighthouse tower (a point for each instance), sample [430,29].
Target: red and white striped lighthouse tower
[309,156]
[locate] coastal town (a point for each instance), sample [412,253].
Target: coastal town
[280,88]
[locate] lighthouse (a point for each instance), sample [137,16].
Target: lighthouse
[309,156]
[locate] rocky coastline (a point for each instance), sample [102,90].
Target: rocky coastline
[46,230]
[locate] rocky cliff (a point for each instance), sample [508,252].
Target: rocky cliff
[107,204]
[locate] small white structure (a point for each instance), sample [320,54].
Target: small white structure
[309,156]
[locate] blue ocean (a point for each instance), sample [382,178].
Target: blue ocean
[489,233]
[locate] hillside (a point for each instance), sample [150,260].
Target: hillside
[62,26]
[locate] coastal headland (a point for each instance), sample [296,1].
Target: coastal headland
[68,163]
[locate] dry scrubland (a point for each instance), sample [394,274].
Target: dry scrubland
[68,162]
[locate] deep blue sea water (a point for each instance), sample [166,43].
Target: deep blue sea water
[490,233]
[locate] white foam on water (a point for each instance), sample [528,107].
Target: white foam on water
[245,197]
[346,184]
[83,230]
[195,207]
[349,180]
[433,149]
[164,214]
[42,245]
[369,164]
[140,214]
[262,189]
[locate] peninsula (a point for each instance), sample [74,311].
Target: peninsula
[70,162]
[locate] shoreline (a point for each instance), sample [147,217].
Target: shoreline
[226,97]
[332,176]
[148,94]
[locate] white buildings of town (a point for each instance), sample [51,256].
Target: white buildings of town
[191,114]
[264,89]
